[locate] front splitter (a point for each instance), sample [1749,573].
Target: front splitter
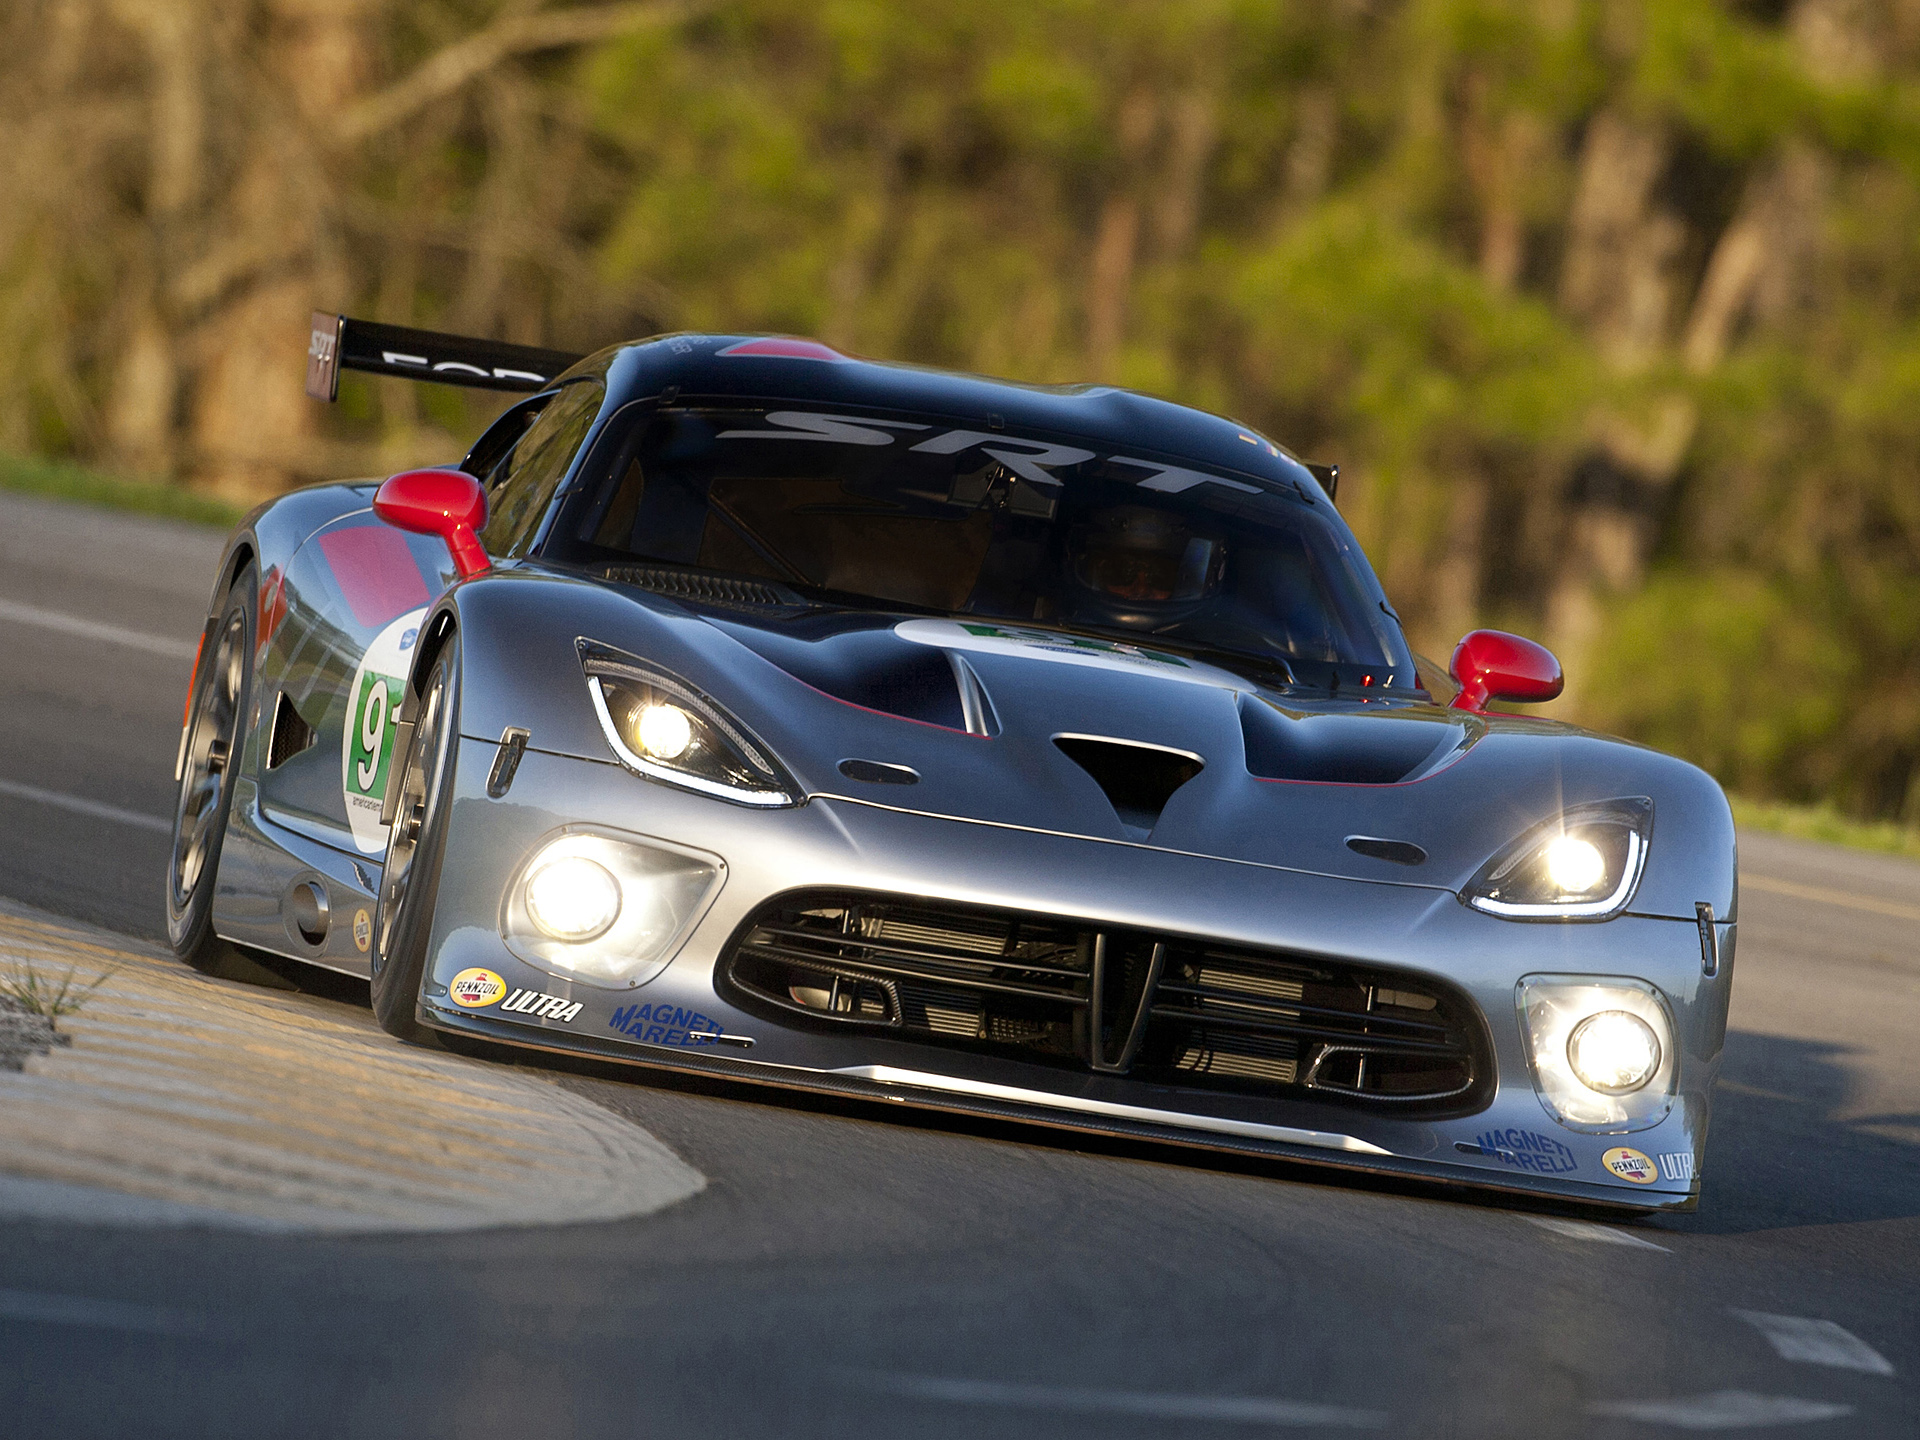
[1371,1161]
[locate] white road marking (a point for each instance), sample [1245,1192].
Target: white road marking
[1233,1409]
[1816,1342]
[45,1309]
[1587,1230]
[1723,1410]
[1821,895]
[13,612]
[91,808]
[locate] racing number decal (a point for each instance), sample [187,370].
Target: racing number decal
[368,756]
[366,749]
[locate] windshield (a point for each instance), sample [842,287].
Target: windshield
[926,516]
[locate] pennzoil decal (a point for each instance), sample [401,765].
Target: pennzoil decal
[366,748]
[476,988]
[1630,1164]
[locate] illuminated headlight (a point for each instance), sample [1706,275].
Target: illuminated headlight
[664,729]
[605,908]
[1601,1050]
[1584,864]
[662,732]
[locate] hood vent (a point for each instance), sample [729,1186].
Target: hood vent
[1138,779]
[707,589]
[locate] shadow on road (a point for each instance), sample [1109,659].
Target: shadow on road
[1777,1156]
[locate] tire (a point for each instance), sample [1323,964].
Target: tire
[217,712]
[416,847]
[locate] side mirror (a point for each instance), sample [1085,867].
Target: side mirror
[1493,665]
[447,503]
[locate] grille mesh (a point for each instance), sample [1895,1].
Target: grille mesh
[1168,1009]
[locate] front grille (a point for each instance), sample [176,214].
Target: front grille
[1163,1008]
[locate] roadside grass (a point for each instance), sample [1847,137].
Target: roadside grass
[1818,822]
[22,984]
[64,480]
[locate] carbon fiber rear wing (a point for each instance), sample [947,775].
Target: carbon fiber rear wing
[338,343]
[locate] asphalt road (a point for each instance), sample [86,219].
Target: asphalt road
[852,1272]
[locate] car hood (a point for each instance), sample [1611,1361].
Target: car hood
[1021,726]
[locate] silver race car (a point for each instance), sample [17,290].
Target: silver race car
[743,708]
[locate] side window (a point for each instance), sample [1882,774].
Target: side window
[537,465]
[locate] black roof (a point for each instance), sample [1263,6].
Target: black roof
[741,368]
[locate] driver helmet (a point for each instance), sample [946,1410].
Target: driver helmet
[1140,567]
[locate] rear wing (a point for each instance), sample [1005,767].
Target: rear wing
[338,343]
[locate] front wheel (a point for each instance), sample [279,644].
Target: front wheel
[216,721]
[416,844]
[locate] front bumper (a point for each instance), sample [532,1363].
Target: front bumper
[679,1020]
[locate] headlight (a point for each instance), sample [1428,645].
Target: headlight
[1601,1050]
[663,728]
[1581,865]
[604,908]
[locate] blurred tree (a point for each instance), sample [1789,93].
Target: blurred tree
[1609,309]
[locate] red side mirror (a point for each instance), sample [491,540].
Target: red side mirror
[447,503]
[1493,665]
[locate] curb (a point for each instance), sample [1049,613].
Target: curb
[189,1100]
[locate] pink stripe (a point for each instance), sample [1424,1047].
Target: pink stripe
[376,572]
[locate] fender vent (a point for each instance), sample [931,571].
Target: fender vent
[1138,779]
[290,736]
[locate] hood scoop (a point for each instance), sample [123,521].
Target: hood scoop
[858,659]
[1385,748]
[1138,779]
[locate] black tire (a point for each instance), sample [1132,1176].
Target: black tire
[416,846]
[216,724]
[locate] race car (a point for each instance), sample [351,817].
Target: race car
[741,707]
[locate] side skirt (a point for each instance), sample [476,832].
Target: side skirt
[260,865]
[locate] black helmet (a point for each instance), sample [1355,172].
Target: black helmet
[1139,567]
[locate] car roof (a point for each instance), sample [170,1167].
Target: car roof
[743,368]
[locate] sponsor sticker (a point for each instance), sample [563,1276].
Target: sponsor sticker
[1084,650]
[1630,1164]
[366,749]
[362,931]
[1677,1166]
[475,988]
[1528,1150]
[540,1006]
[664,1024]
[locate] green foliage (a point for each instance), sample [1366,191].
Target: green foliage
[27,989]
[63,480]
[1736,674]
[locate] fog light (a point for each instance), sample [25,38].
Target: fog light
[663,731]
[604,907]
[1613,1052]
[1575,865]
[572,899]
[1601,1050]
